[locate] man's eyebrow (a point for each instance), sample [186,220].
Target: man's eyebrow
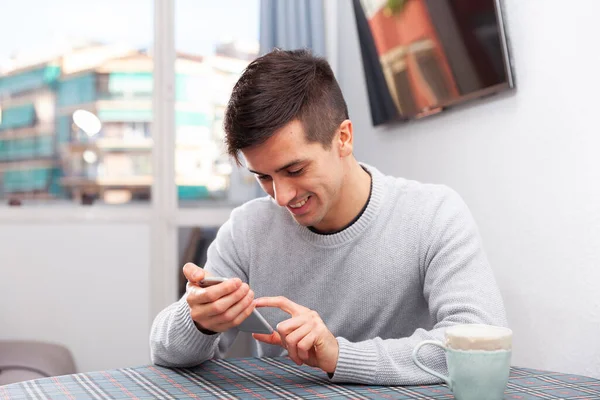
[286,166]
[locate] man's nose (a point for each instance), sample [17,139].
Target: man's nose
[283,192]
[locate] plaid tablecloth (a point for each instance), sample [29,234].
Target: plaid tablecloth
[270,378]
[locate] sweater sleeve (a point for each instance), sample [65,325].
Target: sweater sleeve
[175,341]
[459,287]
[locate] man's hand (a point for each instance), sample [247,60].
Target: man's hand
[305,336]
[219,307]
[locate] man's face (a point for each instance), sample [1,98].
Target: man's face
[304,177]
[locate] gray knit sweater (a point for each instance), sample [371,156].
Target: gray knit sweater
[408,268]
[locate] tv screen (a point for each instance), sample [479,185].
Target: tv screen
[423,56]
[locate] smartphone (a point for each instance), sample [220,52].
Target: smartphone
[255,323]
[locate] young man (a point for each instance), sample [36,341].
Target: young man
[353,267]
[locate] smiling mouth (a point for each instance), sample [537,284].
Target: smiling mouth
[300,203]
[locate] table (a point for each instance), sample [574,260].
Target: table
[270,378]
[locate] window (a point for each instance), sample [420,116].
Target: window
[214,42]
[75,94]
[76,101]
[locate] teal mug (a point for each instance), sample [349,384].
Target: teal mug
[478,359]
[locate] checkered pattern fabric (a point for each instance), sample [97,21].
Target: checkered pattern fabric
[270,378]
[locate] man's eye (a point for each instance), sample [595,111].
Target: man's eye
[263,177]
[296,172]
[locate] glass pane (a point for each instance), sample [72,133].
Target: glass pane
[215,41]
[76,102]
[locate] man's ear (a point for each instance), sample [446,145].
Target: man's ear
[345,138]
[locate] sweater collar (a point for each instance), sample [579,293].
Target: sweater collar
[360,225]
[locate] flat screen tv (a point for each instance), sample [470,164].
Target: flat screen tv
[421,57]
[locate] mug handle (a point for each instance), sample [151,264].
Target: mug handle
[426,369]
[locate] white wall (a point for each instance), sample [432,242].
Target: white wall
[527,164]
[84,285]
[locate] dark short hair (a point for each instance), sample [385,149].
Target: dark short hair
[278,88]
